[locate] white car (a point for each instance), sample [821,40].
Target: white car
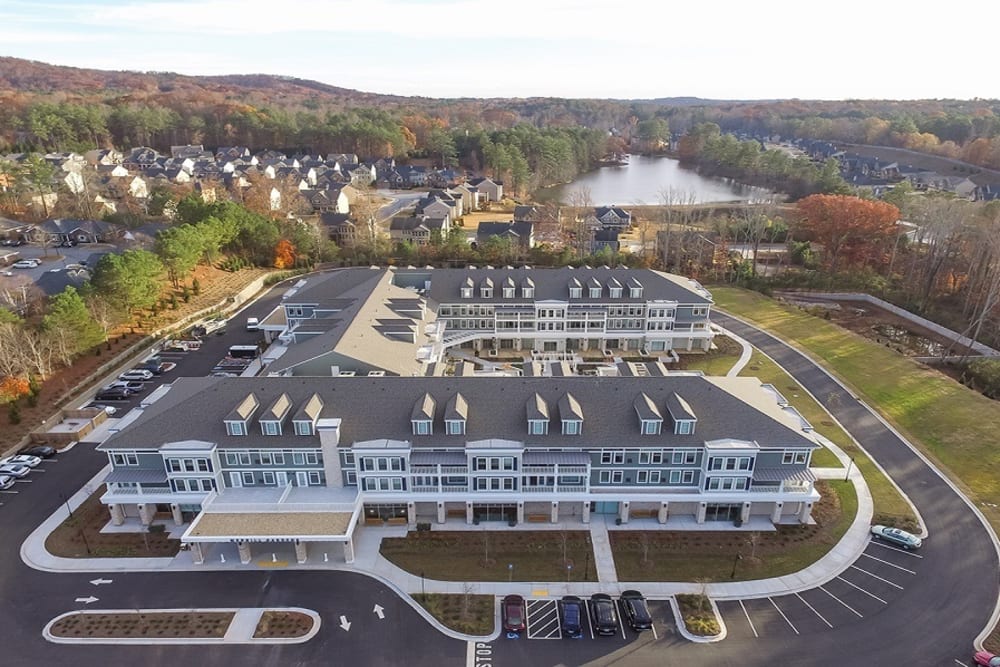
[26,264]
[136,374]
[14,470]
[21,460]
[6,481]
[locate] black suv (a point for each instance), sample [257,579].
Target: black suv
[635,610]
[114,394]
[603,614]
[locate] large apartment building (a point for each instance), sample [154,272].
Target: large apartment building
[306,459]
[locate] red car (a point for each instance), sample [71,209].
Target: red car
[513,612]
[986,659]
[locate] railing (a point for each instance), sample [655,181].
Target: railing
[423,470]
[551,469]
[454,489]
[461,470]
[538,489]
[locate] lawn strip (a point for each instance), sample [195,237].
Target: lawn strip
[470,614]
[147,625]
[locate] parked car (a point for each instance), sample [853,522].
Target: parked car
[253,324]
[157,367]
[571,615]
[26,264]
[135,386]
[636,611]
[21,460]
[136,374]
[114,394]
[15,470]
[6,481]
[514,613]
[986,659]
[603,614]
[898,537]
[41,451]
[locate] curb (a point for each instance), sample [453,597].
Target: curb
[699,639]
[47,630]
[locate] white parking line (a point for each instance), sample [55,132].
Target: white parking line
[25,481]
[9,491]
[875,576]
[830,625]
[778,609]
[621,621]
[856,612]
[652,626]
[543,620]
[745,613]
[590,626]
[872,595]
[898,567]
[896,549]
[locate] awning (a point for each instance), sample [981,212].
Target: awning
[269,526]
[783,475]
[136,475]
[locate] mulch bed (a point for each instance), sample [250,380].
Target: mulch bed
[73,536]
[283,624]
[471,614]
[200,625]
[698,616]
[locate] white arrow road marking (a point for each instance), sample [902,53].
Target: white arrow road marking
[98,582]
[379,611]
[87,600]
[345,625]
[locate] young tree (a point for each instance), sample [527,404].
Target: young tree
[129,280]
[70,325]
[180,248]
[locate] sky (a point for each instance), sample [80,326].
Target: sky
[634,49]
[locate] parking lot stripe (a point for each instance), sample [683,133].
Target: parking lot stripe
[589,624]
[896,549]
[26,481]
[653,628]
[830,625]
[875,576]
[872,595]
[778,609]
[745,613]
[9,491]
[898,567]
[856,612]
[621,623]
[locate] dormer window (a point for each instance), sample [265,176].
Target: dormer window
[635,292]
[508,292]
[486,292]
[236,421]
[615,292]
[422,427]
[528,292]
[571,426]
[303,427]
[684,427]
[682,415]
[270,427]
[538,416]
[595,292]
[571,415]
[576,292]
[422,416]
[538,427]
[650,418]
[466,292]
[236,428]
[456,413]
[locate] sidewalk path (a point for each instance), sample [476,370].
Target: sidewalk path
[604,559]
[747,351]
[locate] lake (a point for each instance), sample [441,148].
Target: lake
[644,179]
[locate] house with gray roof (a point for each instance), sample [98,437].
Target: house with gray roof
[310,458]
[519,233]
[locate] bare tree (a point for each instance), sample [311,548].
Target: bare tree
[582,205]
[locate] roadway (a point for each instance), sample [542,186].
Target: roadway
[889,608]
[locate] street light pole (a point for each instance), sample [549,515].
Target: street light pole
[738,558]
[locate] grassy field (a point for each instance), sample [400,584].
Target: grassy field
[953,425]
[711,556]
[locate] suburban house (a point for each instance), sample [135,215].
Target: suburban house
[340,228]
[80,231]
[612,217]
[417,229]
[490,189]
[522,234]
[312,458]
[605,238]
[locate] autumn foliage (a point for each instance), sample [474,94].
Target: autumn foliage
[284,254]
[853,232]
[13,388]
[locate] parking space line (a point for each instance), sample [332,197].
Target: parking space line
[830,625]
[590,625]
[543,619]
[25,481]
[652,626]
[896,549]
[875,576]
[872,595]
[898,567]
[778,609]
[856,612]
[747,614]
[9,492]
[621,620]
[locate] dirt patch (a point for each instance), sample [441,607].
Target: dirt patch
[283,625]
[471,614]
[80,536]
[165,625]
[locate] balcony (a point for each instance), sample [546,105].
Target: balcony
[454,470]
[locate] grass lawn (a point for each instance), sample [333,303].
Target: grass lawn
[485,555]
[80,536]
[698,555]
[471,614]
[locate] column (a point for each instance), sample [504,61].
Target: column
[586,511]
[805,512]
[517,344]
[441,513]
[411,515]
[468,513]
[664,511]
[583,344]
[175,510]
[117,514]
[145,515]
[300,551]
[349,551]
[702,507]
[745,514]
[197,555]
[554,518]
[244,548]
[623,511]
[776,514]
[520,513]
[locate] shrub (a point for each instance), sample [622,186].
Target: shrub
[14,413]
[196,287]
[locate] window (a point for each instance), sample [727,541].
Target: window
[616,457]
[352,478]
[595,292]
[314,479]
[268,478]
[248,479]
[266,458]
[303,428]
[651,427]
[635,292]
[207,485]
[605,477]
[232,459]
[571,427]
[611,476]
[684,427]
[788,458]
[486,292]
[299,459]
[455,427]
[421,427]
[174,465]
[744,463]
[642,477]
[528,292]
[466,292]
[349,458]
[687,477]
[271,428]
[698,312]
[279,458]
[312,458]
[615,292]
[125,459]
[203,465]
[675,476]
[538,427]
[236,428]
[654,476]
[508,292]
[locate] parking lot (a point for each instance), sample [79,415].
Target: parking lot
[37,474]
[875,580]
[543,621]
[56,259]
